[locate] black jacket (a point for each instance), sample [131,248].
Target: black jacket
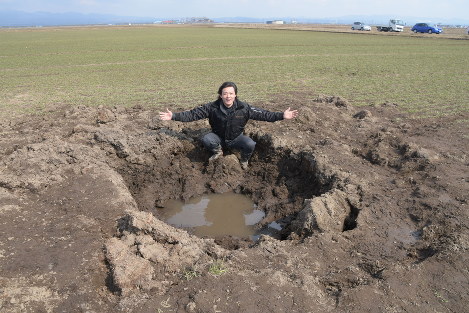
[229,125]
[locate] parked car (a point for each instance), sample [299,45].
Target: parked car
[426,28]
[360,26]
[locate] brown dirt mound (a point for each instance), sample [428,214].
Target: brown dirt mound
[373,208]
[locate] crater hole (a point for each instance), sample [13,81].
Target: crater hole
[219,199]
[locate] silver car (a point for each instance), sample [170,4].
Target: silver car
[360,26]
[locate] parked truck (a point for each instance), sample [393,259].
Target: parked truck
[393,26]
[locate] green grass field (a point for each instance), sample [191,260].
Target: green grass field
[183,67]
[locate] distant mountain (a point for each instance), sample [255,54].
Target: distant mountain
[23,19]
[19,19]
[285,19]
[239,19]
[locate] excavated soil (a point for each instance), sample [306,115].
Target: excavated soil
[373,207]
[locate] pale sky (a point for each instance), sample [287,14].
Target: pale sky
[442,9]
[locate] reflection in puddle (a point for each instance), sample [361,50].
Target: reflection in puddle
[214,215]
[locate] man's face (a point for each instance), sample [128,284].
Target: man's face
[228,96]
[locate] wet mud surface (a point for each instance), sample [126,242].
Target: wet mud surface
[373,209]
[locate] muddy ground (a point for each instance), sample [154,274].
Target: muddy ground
[373,207]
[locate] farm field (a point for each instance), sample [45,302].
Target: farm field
[158,65]
[368,187]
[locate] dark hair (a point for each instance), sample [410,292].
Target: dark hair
[227,84]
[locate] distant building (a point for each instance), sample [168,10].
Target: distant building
[275,22]
[170,22]
[197,20]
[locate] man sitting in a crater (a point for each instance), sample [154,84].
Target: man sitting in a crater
[227,117]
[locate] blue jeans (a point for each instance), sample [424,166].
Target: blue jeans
[242,143]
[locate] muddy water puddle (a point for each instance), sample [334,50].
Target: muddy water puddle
[214,215]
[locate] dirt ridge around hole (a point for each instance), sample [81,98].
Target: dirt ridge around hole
[372,203]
